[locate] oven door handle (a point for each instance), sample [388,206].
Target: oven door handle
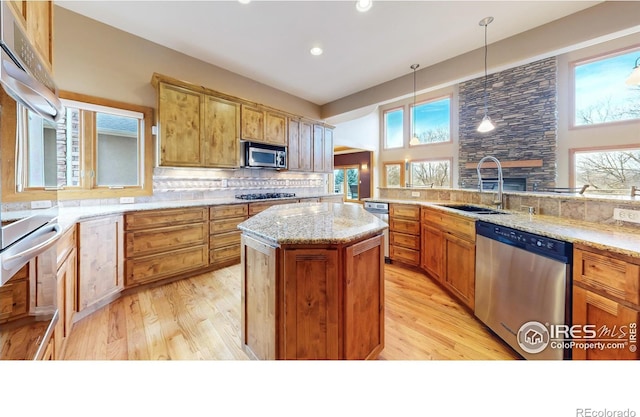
[22,257]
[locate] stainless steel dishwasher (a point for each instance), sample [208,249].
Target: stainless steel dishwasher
[381,211]
[523,289]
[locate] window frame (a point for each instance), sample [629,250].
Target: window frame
[410,171]
[88,152]
[572,89]
[384,127]
[427,101]
[574,151]
[401,164]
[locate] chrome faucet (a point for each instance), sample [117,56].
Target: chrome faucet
[498,201]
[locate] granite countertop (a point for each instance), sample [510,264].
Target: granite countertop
[618,239]
[313,223]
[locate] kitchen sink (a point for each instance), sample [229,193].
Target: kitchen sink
[473,209]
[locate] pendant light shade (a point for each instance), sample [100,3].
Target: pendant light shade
[634,78]
[414,138]
[486,125]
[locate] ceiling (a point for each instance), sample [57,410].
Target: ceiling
[269,41]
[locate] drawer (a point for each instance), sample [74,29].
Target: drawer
[605,272]
[255,208]
[405,211]
[224,239]
[404,226]
[432,217]
[404,255]
[152,268]
[159,218]
[146,242]
[404,240]
[459,226]
[226,254]
[225,225]
[13,299]
[226,211]
[66,244]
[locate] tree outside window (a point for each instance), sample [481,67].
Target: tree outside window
[616,169]
[601,95]
[434,173]
[432,121]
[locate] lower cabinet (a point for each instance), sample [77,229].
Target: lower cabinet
[164,243]
[449,252]
[606,296]
[404,233]
[100,260]
[224,236]
[14,296]
[66,290]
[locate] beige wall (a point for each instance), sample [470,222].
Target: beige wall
[96,59]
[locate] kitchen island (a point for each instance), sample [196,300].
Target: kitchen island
[312,282]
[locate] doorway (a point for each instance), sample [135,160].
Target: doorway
[346,181]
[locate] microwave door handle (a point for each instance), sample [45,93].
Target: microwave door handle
[30,92]
[26,255]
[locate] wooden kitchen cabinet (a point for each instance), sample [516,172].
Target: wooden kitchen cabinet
[197,129]
[322,149]
[66,289]
[165,243]
[255,208]
[259,124]
[14,296]
[224,235]
[606,294]
[300,151]
[448,252]
[100,262]
[36,18]
[404,233]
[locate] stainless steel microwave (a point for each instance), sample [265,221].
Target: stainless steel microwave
[260,155]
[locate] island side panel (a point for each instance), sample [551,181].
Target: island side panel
[312,304]
[364,299]
[258,311]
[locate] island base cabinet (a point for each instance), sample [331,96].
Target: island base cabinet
[364,299]
[311,308]
[312,301]
[258,299]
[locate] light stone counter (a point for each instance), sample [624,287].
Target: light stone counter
[619,239]
[313,223]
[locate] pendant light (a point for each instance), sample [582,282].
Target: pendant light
[414,138]
[634,78]
[486,125]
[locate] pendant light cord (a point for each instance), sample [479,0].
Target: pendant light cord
[485,68]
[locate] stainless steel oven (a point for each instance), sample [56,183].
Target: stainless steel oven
[30,110]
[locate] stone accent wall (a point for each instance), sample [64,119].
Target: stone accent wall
[522,102]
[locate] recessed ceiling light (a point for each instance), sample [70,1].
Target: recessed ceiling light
[316,50]
[363,5]
[244,1]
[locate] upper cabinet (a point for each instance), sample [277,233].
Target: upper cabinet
[199,127]
[322,149]
[196,129]
[262,125]
[37,19]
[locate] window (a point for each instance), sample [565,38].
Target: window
[432,121]
[104,148]
[346,182]
[394,128]
[431,173]
[606,169]
[394,174]
[600,92]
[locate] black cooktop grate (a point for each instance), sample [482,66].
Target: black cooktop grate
[263,196]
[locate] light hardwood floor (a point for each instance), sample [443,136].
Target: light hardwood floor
[199,318]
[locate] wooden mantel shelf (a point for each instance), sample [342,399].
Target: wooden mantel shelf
[529,163]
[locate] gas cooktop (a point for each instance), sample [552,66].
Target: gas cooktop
[262,196]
